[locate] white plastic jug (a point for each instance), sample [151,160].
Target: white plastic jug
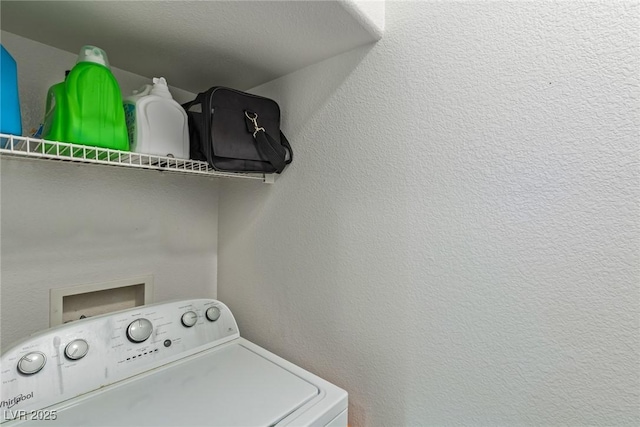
[157,124]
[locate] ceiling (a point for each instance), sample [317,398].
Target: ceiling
[199,44]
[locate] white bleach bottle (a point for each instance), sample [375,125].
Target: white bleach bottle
[157,124]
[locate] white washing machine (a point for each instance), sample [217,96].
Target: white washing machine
[180,363]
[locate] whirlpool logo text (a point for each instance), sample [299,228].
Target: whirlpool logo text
[10,403]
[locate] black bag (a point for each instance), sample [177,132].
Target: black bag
[236,131]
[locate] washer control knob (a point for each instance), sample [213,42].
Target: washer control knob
[213,313]
[189,318]
[139,330]
[76,349]
[31,363]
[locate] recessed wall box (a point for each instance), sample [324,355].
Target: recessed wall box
[77,302]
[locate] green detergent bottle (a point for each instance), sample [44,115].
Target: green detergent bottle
[87,107]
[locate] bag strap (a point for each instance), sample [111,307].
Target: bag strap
[285,142]
[274,152]
[197,100]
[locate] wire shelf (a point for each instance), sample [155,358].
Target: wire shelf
[21,146]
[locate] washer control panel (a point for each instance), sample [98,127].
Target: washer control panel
[76,358]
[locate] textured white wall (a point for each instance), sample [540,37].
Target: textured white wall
[457,240]
[64,224]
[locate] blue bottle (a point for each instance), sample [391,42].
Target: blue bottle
[10,103]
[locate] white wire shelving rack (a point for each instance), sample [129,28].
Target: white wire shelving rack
[26,147]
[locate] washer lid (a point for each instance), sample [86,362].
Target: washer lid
[230,386]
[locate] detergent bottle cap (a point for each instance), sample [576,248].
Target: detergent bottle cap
[160,88]
[93,54]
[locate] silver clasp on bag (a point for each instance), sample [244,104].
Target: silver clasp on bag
[254,120]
